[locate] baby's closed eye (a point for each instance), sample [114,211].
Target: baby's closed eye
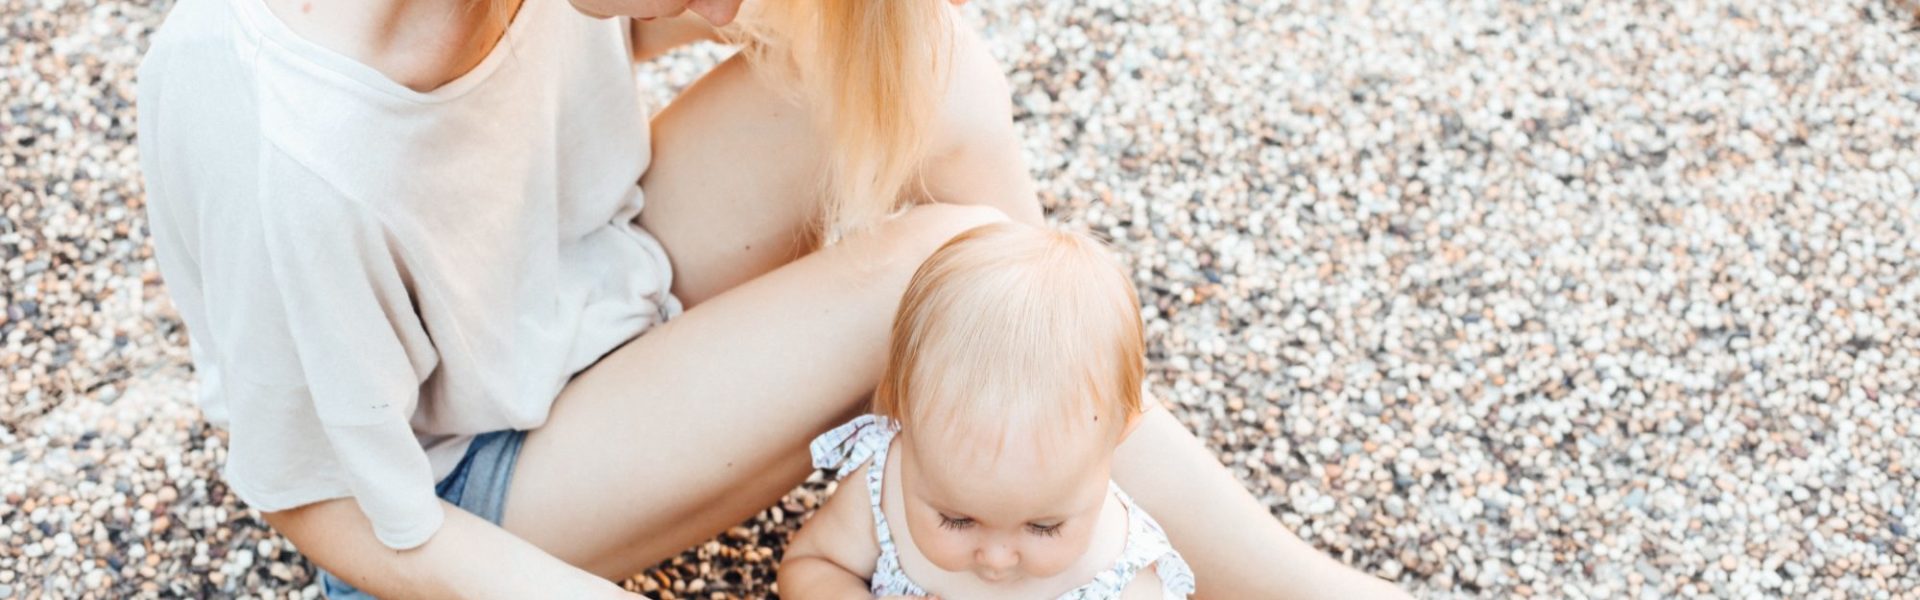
[1049,530]
[955,523]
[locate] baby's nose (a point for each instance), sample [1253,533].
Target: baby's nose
[998,557]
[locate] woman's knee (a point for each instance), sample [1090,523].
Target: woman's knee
[975,154]
[916,233]
[977,107]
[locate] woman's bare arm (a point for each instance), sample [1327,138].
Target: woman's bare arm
[467,558]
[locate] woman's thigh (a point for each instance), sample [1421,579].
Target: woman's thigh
[734,181]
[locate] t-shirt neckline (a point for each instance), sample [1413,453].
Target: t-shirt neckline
[256,15]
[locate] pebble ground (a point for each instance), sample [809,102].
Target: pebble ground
[1563,299]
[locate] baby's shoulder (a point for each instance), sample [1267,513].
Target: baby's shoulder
[842,529]
[1144,586]
[852,493]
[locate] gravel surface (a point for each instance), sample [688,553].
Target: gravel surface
[1490,298]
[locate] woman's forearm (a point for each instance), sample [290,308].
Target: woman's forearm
[467,558]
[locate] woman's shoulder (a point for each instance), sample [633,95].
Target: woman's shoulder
[198,45]
[192,23]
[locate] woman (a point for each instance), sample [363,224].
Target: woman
[407,243]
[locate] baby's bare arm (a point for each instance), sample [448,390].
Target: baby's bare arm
[834,553]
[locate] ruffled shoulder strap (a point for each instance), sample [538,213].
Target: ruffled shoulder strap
[841,452]
[850,445]
[1147,545]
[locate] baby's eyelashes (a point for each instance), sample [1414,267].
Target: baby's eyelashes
[955,523]
[958,523]
[1052,530]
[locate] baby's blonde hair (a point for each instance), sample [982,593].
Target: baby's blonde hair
[874,72]
[1015,327]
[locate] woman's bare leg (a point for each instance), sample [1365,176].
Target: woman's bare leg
[1237,548]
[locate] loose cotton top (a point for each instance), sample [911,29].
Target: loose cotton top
[372,275]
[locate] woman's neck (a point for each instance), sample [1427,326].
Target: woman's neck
[420,44]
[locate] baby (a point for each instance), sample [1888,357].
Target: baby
[1013,374]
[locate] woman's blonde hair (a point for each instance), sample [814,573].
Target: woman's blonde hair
[875,72]
[1015,327]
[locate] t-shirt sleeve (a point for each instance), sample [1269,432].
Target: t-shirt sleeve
[325,360]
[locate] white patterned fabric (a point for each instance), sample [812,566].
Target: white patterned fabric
[844,449]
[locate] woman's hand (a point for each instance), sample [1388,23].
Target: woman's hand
[722,12]
[654,37]
[717,12]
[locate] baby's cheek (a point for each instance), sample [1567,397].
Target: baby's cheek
[1046,558]
[949,550]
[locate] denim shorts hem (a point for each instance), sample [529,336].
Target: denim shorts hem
[477,485]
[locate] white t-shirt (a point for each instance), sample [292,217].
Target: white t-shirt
[371,275]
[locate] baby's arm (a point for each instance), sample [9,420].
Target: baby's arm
[834,553]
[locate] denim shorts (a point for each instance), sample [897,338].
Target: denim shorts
[478,485]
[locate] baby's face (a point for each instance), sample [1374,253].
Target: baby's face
[1029,512]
